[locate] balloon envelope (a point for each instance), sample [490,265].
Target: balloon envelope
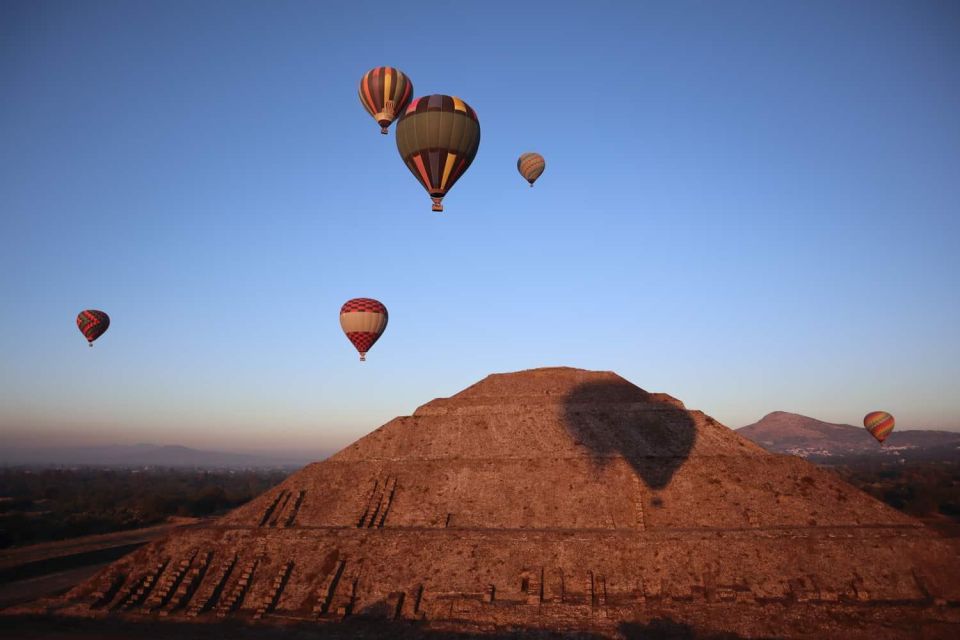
[438,137]
[531,166]
[385,93]
[363,320]
[92,324]
[879,424]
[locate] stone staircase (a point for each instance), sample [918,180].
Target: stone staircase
[272,507]
[235,599]
[165,587]
[291,517]
[137,591]
[189,585]
[327,588]
[209,600]
[102,597]
[378,504]
[273,597]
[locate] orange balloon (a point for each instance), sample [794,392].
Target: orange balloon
[531,166]
[385,92]
[879,424]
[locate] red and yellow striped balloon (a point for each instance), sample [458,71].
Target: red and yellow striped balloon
[92,324]
[531,166]
[363,320]
[879,424]
[385,92]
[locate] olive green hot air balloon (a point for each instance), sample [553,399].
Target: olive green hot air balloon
[531,166]
[438,137]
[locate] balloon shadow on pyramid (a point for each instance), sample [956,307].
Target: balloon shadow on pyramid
[652,432]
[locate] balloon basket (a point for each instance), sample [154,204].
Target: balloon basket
[437,204]
[384,118]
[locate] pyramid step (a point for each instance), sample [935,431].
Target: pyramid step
[134,594]
[291,516]
[170,582]
[390,490]
[210,599]
[268,512]
[235,599]
[394,602]
[533,586]
[275,517]
[345,597]
[601,590]
[554,587]
[328,588]
[373,500]
[102,598]
[190,583]
[276,588]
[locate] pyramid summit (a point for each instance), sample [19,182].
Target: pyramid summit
[557,499]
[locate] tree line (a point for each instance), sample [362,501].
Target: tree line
[41,505]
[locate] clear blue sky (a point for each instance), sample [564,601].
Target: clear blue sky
[752,206]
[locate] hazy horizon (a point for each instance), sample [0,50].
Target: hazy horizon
[26,439]
[751,207]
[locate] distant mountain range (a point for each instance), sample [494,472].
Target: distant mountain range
[143,455]
[783,432]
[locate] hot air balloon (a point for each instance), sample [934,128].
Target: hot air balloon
[531,165]
[92,324]
[385,93]
[879,424]
[438,137]
[363,320]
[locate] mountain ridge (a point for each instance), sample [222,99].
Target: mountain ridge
[796,434]
[142,454]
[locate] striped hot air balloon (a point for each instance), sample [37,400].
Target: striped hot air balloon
[438,137]
[879,424]
[385,93]
[363,320]
[531,166]
[92,324]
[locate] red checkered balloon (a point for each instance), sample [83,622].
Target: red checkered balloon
[363,320]
[92,324]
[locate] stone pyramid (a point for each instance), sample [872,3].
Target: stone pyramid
[556,499]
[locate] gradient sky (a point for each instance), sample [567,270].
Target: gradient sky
[752,206]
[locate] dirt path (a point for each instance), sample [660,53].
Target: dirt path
[49,585]
[47,569]
[20,556]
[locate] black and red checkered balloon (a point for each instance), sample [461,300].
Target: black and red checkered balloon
[92,324]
